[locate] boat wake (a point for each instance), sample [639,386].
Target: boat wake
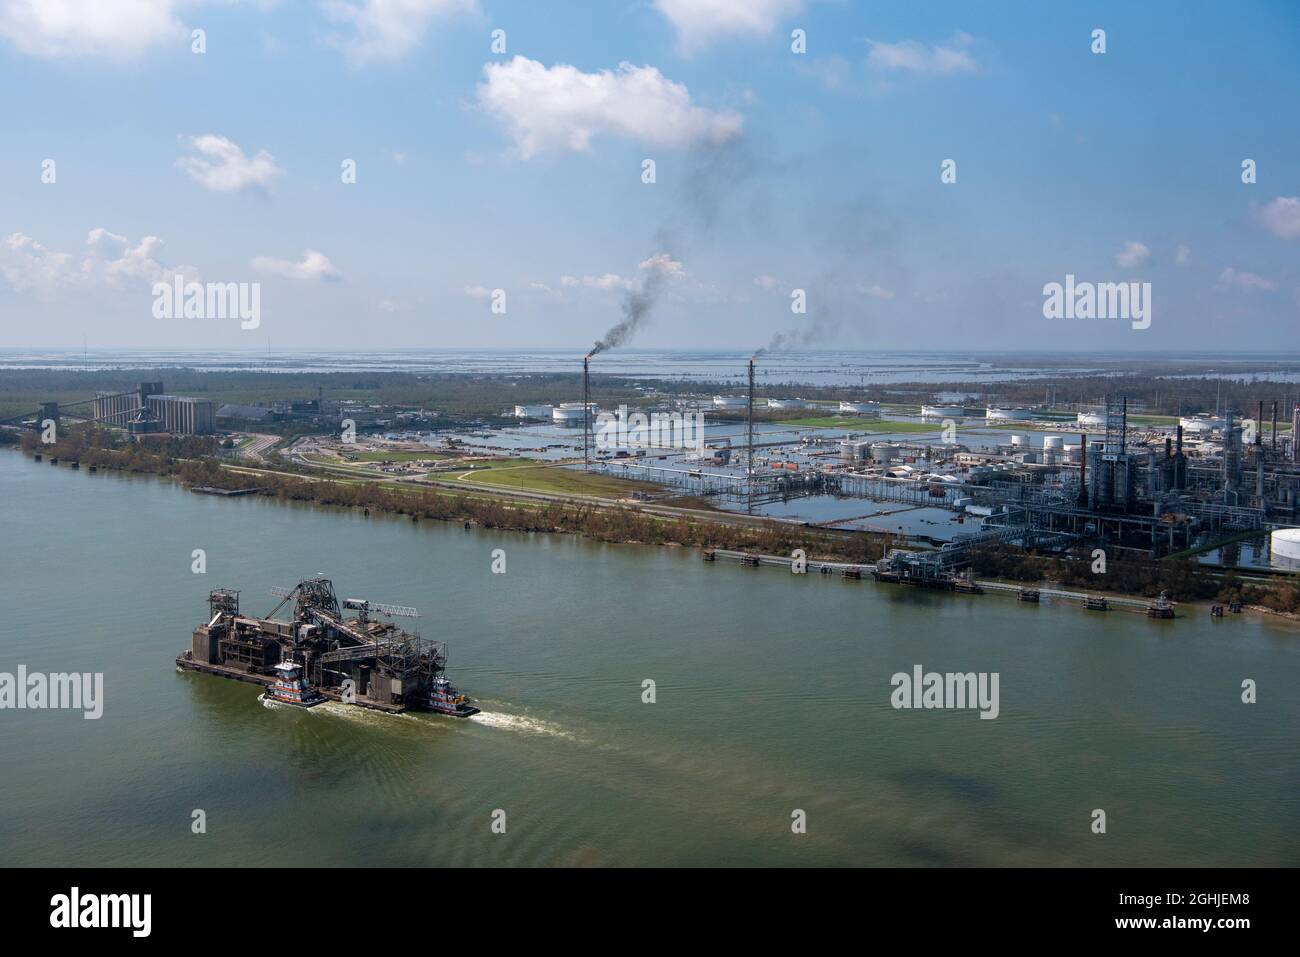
[516,722]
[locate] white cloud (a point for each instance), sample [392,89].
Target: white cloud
[700,22]
[1232,278]
[387,30]
[110,261]
[116,29]
[1133,254]
[610,281]
[1282,217]
[389,306]
[1182,255]
[561,107]
[767,282]
[478,292]
[878,291]
[664,263]
[314,265]
[913,57]
[606,282]
[222,166]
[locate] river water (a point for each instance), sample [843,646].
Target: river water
[772,695]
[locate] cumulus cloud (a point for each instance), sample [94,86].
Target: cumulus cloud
[1133,254]
[313,265]
[561,107]
[221,165]
[1282,217]
[909,56]
[387,30]
[109,261]
[699,23]
[1232,278]
[115,29]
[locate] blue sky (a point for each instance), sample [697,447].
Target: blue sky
[522,171]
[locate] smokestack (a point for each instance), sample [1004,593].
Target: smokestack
[1259,425]
[749,436]
[1275,425]
[586,413]
[1083,470]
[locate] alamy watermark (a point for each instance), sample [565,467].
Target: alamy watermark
[83,691]
[1105,300]
[955,690]
[671,430]
[209,300]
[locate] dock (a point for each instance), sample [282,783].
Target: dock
[960,585]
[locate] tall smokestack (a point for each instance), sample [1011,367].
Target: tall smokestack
[1275,425]
[1083,470]
[586,413]
[1259,425]
[749,436]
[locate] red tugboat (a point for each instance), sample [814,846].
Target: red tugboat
[290,687]
[445,698]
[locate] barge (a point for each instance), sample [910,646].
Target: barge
[317,654]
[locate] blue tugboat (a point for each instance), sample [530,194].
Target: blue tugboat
[445,698]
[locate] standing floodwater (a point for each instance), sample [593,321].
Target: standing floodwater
[772,694]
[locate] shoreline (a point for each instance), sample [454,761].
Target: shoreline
[610,522]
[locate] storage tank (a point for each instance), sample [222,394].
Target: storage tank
[860,408]
[1200,423]
[568,413]
[854,450]
[1019,438]
[884,452]
[942,411]
[1284,544]
[1007,415]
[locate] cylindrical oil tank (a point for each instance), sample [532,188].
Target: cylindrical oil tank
[884,452]
[1284,544]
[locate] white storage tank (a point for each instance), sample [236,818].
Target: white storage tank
[569,413]
[942,412]
[1019,438]
[1284,544]
[1203,424]
[860,408]
[1007,415]
[533,411]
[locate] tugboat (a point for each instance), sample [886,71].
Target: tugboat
[445,698]
[290,687]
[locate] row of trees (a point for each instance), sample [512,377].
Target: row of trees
[1183,580]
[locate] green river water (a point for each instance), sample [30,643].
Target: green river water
[773,694]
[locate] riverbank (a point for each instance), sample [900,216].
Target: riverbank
[192,461]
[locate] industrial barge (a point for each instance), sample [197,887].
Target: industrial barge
[319,655]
